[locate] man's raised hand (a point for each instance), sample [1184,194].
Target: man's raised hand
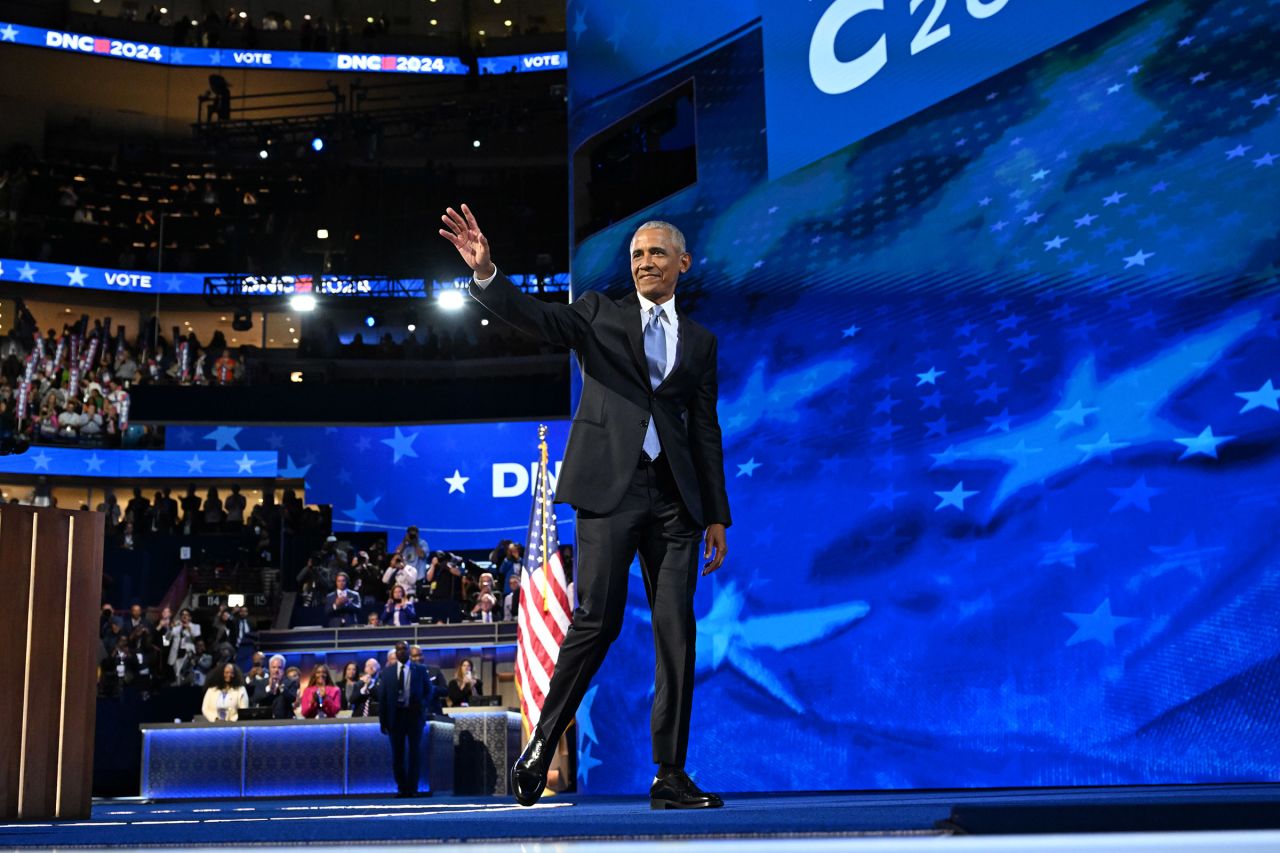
[462,231]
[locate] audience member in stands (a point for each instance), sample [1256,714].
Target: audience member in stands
[374,620]
[242,628]
[321,697]
[511,563]
[119,668]
[463,686]
[108,618]
[342,606]
[350,674]
[483,611]
[148,668]
[444,578]
[110,508]
[413,550]
[182,647]
[366,577]
[403,697]
[137,619]
[257,673]
[137,510]
[401,574]
[398,610]
[277,691]
[511,601]
[212,511]
[224,640]
[234,506]
[360,700]
[190,502]
[202,663]
[225,695]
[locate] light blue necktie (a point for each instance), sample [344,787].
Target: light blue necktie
[655,350]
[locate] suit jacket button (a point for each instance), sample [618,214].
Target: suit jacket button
[645,423]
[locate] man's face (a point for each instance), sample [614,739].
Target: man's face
[136,611]
[656,264]
[342,582]
[415,654]
[513,582]
[276,669]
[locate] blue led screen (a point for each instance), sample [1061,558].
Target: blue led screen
[998,391]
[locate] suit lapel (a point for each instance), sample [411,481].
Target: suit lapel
[630,305]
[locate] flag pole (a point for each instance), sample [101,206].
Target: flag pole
[544,497]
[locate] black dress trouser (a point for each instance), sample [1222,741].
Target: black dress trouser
[650,520]
[406,737]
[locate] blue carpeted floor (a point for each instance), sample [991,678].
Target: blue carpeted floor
[373,820]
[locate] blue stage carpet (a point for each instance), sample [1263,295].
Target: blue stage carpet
[377,820]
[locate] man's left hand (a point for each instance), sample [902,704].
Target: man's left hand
[715,550]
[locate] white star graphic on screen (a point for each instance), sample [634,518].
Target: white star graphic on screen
[930,377]
[1102,447]
[1040,175]
[1267,159]
[41,461]
[9,33]
[1238,151]
[77,277]
[748,468]
[1055,243]
[1099,625]
[401,445]
[145,464]
[26,272]
[1265,397]
[850,332]
[457,483]
[1139,259]
[1074,415]
[195,465]
[1206,443]
[1086,220]
[244,465]
[1264,101]
[94,463]
[1114,198]
[956,497]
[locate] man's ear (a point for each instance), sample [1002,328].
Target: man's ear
[686,261]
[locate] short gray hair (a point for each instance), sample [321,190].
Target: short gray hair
[275,658]
[676,235]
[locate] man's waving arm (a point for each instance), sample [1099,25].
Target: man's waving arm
[565,325]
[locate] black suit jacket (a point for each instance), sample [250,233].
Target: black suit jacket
[412,716]
[607,434]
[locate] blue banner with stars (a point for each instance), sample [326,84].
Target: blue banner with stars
[201,57]
[139,464]
[999,395]
[463,485]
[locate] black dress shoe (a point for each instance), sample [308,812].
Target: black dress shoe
[677,791]
[529,773]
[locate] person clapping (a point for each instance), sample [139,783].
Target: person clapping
[399,610]
[342,606]
[321,698]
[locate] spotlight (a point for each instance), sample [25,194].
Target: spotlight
[263,153]
[370,321]
[317,144]
[302,302]
[506,23]
[322,233]
[413,327]
[475,143]
[484,321]
[450,300]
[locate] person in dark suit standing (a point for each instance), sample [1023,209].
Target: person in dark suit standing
[643,467]
[403,696]
[277,691]
[342,606]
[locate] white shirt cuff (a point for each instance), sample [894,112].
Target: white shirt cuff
[483,283]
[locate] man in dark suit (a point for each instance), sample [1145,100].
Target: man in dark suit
[643,467]
[276,691]
[403,696]
[342,606]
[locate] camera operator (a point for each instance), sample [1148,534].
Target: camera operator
[413,550]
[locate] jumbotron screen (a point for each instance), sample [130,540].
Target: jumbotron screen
[995,286]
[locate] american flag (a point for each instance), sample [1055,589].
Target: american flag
[545,611]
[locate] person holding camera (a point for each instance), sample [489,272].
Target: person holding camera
[413,550]
[401,574]
[463,687]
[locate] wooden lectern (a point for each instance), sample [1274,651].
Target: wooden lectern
[51,582]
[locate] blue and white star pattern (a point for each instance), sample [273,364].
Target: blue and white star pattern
[1006,374]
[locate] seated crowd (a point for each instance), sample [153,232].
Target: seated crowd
[400,586]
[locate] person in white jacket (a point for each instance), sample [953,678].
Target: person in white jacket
[225,696]
[403,573]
